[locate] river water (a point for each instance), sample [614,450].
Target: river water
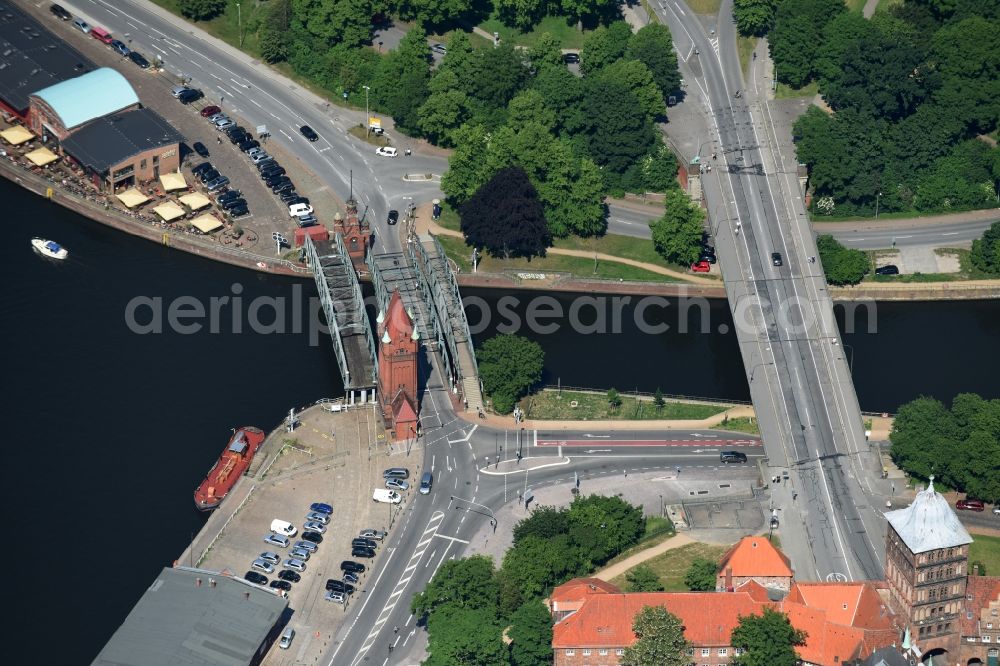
[112,425]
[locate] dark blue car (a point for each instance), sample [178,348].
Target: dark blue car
[321,507]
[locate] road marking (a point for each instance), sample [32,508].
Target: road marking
[949,233]
[451,538]
[286,134]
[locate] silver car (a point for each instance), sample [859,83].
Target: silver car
[397,484]
[305,545]
[337,597]
[298,554]
[279,540]
[262,565]
[378,535]
[293,564]
[269,557]
[318,517]
[314,526]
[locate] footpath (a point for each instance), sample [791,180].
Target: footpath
[618,568]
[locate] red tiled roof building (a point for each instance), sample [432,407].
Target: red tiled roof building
[754,558]
[980,622]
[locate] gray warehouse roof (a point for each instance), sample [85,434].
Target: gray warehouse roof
[191,616]
[112,139]
[32,58]
[928,523]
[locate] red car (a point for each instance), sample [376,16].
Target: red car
[970,505]
[210,111]
[701,267]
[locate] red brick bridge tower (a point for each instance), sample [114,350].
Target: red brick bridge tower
[397,370]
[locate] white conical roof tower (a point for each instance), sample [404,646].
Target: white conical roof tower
[929,523]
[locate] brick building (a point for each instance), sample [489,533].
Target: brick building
[926,568]
[754,558]
[397,369]
[59,109]
[356,233]
[980,622]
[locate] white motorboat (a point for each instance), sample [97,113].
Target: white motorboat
[49,248]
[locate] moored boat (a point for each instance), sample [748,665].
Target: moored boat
[49,248]
[231,465]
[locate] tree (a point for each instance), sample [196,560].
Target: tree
[462,636]
[754,17]
[617,131]
[528,107]
[499,74]
[535,565]
[579,10]
[445,109]
[520,14]
[643,579]
[986,250]
[544,522]
[842,265]
[639,80]
[401,82]
[660,639]
[509,366]
[677,235]
[614,399]
[433,12]
[766,640]
[505,217]
[201,10]
[546,51]
[562,93]
[796,37]
[604,46]
[700,575]
[273,32]
[531,635]
[601,527]
[468,583]
[332,22]
[653,47]
[658,400]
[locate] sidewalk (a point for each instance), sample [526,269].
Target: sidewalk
[425,224]
[619,568]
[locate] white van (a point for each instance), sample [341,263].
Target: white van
[283,527]
[386,495]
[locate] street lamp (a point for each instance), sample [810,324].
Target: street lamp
[877,197]
[239,22]
[758,365]
[367,121]
[493,518]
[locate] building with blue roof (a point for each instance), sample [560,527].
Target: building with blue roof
[69,105]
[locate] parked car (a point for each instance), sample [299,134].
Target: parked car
[260,156]
[81,25]
[299,209]
[397,484]
[204,166]
[386,151]
[306,221]
[339,586]
[701,267]
[776,258]
[386,496]
[373,534]
[393,217]
[286,638]
[314,526]
[262,565]
[266,162]
[439,48]
[276,179]
[255,577]
[289,197]
[101,35]
[308,133]
[571,58]
[279,540]
[318,517]
[296,198]
[200,148]
[138,59]
[209,111]
[299,554]
[119,47]
[177,90]
[60,13]
[970,505]
[272,172]
[315,537]
[282,187]
[229,204]
[224,123]
[268,556]
[281,585]
[294,564]
[239,211]
[351,577]
[353,567]
[889,269]
[396,473]
[289,575]
[208,175]
[229,195]
[189,96]
[217,184]
[359,551]
[306,545]
[337,597]
[248,143]
[364,543]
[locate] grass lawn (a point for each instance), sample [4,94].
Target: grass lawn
[966,271]
[704,6]
[359,132]
[787,92]
[886,5]
[449,217]
[658,530]
[565,33]
[548,404]
[985,549]
[461,254]
[225,26]
[855,5]
[629,247]
[745,47]
[477,41]
[742,424]
[673,564]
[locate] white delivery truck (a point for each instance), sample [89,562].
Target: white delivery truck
[386,495]
[283,527]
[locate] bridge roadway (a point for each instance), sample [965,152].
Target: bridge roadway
[799,380]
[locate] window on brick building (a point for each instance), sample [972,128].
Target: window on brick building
[706,652]
[619,651]
[586,652]
[570,652]
[602,651]
[986,638]
[723,652]
[738,651]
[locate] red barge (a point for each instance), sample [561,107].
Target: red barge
[232,464]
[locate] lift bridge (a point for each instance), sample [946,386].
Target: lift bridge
[430,293]
[344,307]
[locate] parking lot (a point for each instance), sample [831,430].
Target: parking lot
[332,457]
[267,213]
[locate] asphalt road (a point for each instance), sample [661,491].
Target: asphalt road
[805,401]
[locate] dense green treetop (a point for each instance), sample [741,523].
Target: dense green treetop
[468,583]
[642,578]
[660,641]
[464,637]
[986,250]
[652,45]
[767,640]
[531,635]
[604,46]
[701,575]
[509,365]
[677,235]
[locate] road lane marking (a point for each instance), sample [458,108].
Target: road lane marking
[451,538]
